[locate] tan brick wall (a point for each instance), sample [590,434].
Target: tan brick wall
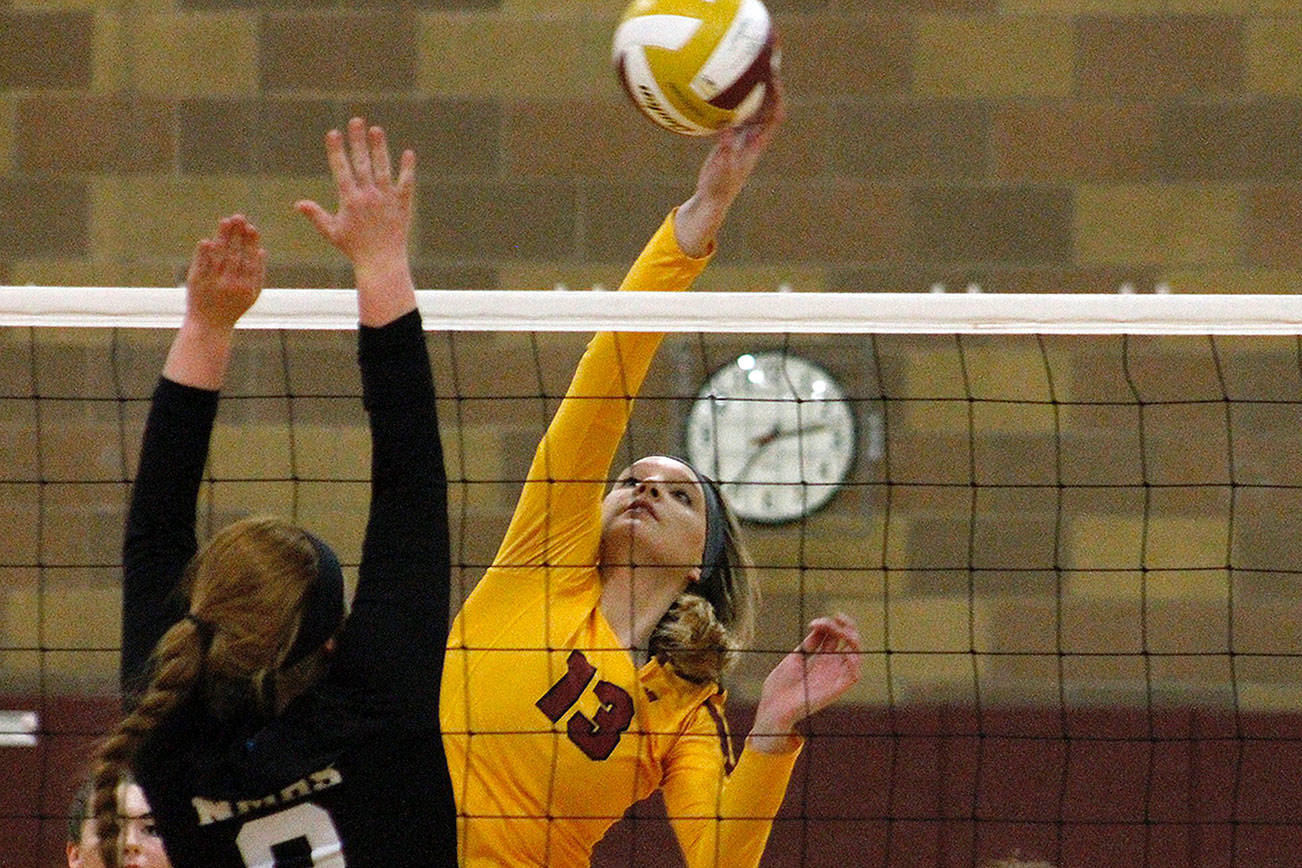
[8,129]
[182,54]
[887,102]
[1271,50]
[993,57]
[1023,146]
[1164,224]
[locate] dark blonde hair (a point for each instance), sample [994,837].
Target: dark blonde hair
[245,590]
[714,618]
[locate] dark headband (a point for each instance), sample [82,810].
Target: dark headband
[323,605]
[716,523]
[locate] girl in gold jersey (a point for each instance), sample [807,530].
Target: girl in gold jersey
[583,672]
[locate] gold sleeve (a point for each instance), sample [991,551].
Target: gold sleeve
[722,820]
[572,464]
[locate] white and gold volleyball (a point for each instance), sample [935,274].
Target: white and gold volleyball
[695,66]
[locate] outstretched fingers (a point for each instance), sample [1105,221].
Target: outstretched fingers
[226,273]
[380,156]
[372,221]
[350,165]
[337,157]
[830,634]
[405,183]
[407,174]
[204,259]
[238,243]
[360,150]
[319,217]
[363,171]
[245,258]
[252,256]
[834,639]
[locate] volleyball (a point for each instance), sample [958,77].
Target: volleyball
[695,66]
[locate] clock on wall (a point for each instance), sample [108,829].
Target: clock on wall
[776,431]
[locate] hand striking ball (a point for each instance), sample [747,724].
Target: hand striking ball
[695,66]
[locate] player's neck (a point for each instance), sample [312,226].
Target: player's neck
[634,599]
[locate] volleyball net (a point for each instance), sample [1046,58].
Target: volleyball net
[1068,529]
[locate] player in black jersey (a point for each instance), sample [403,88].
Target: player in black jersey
[266,727]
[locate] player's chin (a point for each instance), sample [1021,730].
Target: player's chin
[618,535]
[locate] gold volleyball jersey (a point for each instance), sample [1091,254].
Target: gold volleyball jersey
[551,730]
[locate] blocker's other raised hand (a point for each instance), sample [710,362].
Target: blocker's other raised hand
[224,280]
[226,274]
[375,208]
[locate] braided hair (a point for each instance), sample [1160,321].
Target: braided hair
[246,588]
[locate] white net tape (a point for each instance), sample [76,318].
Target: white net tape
[731,312]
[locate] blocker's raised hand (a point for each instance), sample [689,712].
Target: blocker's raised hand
[224,280]
[226,273]
[374,218]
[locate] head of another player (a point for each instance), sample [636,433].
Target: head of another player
[266,599]
[141,847]
[663,513]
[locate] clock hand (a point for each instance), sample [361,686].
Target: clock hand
[777,434]
[767,439]
[803,429]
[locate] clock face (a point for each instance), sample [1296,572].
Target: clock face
[777,433]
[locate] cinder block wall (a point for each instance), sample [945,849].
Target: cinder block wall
[1029,145]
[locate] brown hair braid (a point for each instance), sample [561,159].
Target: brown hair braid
[247,584]
[178,661]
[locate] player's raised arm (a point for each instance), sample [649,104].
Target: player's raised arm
[725,172]
[632,601]
[225,277]
[398,629]
[269,719]
[373,221]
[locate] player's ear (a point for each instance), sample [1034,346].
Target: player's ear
[73,852]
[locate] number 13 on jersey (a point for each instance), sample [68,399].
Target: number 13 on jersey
[598,735]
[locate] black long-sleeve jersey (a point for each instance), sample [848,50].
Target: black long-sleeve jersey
[352,773]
